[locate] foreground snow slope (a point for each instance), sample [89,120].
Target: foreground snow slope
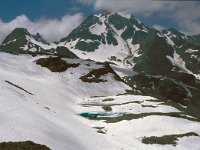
[47,116]
[41,106]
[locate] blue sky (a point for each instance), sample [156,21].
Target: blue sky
[185,16]
[35,9]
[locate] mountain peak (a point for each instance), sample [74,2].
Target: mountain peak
[20,31]
[39,38]
[124,14]
[16,34]
[21,41]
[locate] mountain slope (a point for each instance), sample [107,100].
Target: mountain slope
[21,41]
[187,47]
[104,37]
[47,115]
[126,41]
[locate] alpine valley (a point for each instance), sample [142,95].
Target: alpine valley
[113,83]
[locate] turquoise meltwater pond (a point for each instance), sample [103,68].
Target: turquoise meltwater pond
[98,115]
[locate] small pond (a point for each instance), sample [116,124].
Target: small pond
[94,115]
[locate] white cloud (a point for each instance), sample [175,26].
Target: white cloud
[50,29]
[188,17]
[185,13]
[158,27]
[145,7]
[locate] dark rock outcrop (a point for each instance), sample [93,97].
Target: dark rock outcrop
[55,64]
[175,89]
[28,145]
[95,75]
[62,51]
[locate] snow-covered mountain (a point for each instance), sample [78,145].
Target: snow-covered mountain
[126,41]
[187,47]
[108,37]
[122,39]
[21,41]
[112,82]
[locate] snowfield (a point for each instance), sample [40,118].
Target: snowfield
[44,107]
[47,116]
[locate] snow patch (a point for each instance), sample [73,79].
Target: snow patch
[176,60]
[44,46]
[191,50]
[10,42]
